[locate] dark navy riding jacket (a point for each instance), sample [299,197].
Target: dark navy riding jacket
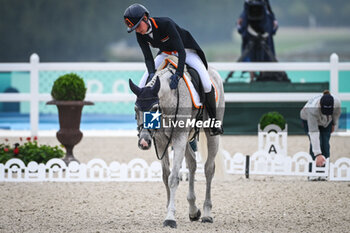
[168,37]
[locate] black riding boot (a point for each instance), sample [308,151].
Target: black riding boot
[210,105]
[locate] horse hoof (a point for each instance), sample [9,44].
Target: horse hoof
[207,219]
[169,223]
[196,218]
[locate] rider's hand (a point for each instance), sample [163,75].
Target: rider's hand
[239,22]
[275,27]
[174,81]
[320,161]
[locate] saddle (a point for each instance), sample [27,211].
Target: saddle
[196,81]
[191,78]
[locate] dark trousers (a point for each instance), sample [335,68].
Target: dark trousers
[325,136]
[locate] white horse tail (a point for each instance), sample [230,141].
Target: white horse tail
[220,172]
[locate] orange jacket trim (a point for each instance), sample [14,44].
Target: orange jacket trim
[154,22]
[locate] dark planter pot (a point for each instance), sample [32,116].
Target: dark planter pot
[69,115]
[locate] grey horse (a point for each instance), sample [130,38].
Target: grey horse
[156,96]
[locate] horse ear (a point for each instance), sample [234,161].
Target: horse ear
[156,86]
[135,89]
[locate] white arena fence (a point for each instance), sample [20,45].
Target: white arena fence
[138,170]
[35,66]
[270,159]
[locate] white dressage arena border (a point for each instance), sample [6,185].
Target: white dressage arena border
[270,159]
[261,163]
[137,170]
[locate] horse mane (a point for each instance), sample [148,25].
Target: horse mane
[159,73]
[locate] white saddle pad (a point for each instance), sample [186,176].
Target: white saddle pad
[193,92]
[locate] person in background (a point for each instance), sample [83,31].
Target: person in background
[171,39]
[320,117]
[269,24]
[261,22]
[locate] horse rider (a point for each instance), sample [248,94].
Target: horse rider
[320,117]
[165,34]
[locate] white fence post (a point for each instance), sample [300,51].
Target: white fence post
[334,82]
[34,94]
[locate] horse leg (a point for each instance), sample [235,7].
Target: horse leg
[166,173]
[213,146]
[194,212]
[179,145]
[165,165]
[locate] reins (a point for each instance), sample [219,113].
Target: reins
[172,130]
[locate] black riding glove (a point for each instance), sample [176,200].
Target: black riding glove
[174,81]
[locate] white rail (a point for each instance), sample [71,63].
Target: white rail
[34,66]
[138,170]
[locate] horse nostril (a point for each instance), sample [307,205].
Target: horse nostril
[144,143]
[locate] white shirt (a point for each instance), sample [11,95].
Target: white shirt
[149,32]
[311,113]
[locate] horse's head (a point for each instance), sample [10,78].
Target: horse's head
[147,101]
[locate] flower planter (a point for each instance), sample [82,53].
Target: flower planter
[69,115]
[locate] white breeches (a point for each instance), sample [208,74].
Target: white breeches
[193,60]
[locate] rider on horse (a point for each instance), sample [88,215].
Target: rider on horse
[165,34]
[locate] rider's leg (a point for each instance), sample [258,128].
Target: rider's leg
[157,61]
[193,60]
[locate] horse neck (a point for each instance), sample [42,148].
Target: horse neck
[167,99]
[152,82]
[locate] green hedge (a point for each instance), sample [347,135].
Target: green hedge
[272,118]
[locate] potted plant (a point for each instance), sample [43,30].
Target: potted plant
[274,118]
[68,93]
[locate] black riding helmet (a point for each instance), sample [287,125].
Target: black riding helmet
[133,16]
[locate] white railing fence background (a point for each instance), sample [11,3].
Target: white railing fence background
[264,161]
[35,66]
[138,170]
